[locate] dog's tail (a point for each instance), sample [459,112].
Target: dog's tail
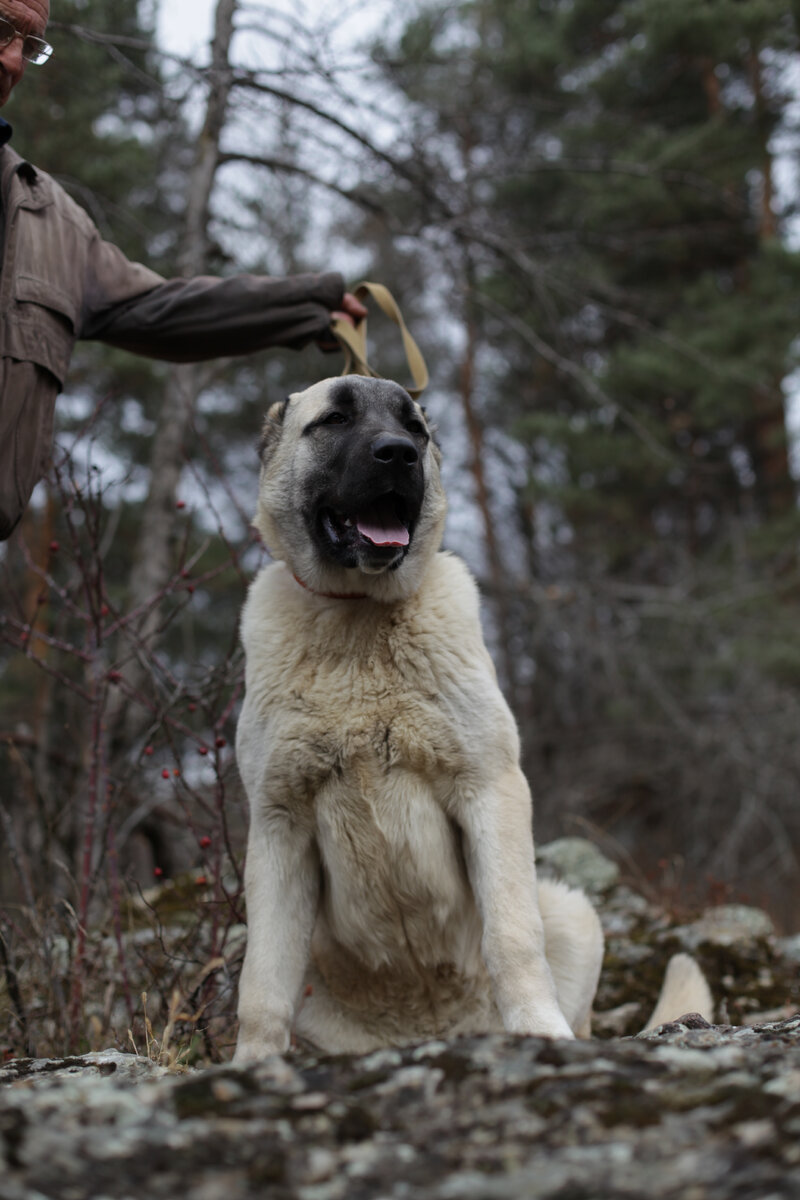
[684,990]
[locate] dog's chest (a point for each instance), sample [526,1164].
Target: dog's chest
[364,707]
[367,746]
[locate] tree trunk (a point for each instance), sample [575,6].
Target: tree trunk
[153,559]
[498,585]
[770,446]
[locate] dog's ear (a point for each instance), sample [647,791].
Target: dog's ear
[271,432]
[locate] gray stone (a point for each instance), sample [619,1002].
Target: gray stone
[35,1072]
[790,947]
[726,925]
[578,862]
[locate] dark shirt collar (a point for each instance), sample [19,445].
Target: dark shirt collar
[5,132]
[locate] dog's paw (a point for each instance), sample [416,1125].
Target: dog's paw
[262,1032]
[538,1022]
[256,1051]
[260,1039]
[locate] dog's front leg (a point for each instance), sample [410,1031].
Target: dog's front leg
[498,845]
[282,888]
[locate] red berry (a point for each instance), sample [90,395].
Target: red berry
[202,750]
[114,676]
[220,742]
[157,872]
[190,588]
[165,773]
[192,708]
[104,611]
[176,772]
[148,750]
[181,504]
[201,881]
[54,547]
[205,842]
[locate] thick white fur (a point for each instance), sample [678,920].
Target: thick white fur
[391,887]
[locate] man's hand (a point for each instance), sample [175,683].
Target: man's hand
[352,311]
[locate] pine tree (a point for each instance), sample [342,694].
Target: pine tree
[606,169]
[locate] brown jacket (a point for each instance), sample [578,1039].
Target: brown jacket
[60,281]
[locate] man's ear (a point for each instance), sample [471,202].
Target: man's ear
[272,429]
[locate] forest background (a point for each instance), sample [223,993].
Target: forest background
[588,212]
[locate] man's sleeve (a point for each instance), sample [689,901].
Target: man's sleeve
[188,320]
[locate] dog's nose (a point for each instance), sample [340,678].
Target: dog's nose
[394,448]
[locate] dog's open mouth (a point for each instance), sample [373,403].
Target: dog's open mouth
[375,536]
[385,524]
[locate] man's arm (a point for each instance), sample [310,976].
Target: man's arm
[189,320]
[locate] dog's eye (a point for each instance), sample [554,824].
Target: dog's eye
[415,426]
[333,418]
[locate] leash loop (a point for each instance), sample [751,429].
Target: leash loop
[353,339]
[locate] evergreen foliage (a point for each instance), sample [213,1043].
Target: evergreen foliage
[607,170]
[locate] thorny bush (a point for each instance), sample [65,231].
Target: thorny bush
[121,815]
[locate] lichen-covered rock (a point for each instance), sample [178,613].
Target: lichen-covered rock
[687,1110]
[690,1110]
[726,925]
[35,1072]
[790,947]
[753,974]
[579,863]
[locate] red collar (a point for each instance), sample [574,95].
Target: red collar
[332,595]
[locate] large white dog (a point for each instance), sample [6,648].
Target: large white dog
[391,887]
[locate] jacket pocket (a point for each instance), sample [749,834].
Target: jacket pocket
[40,326]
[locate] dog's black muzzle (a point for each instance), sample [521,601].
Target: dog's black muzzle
[370,503]
[393,449]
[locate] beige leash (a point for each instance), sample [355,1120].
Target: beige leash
[353,339]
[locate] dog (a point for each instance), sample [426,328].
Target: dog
[390,878]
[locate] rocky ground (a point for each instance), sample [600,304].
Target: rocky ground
[690,1110]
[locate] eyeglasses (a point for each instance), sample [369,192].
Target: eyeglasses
[34,49]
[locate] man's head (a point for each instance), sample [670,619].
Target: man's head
[27,17]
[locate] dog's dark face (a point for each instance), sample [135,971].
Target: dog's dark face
[363,499]
[350,482]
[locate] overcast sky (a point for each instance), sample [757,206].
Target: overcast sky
[184,26]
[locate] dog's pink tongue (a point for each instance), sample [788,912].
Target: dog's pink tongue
[383,532]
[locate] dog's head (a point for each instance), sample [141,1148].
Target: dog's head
[350,495]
